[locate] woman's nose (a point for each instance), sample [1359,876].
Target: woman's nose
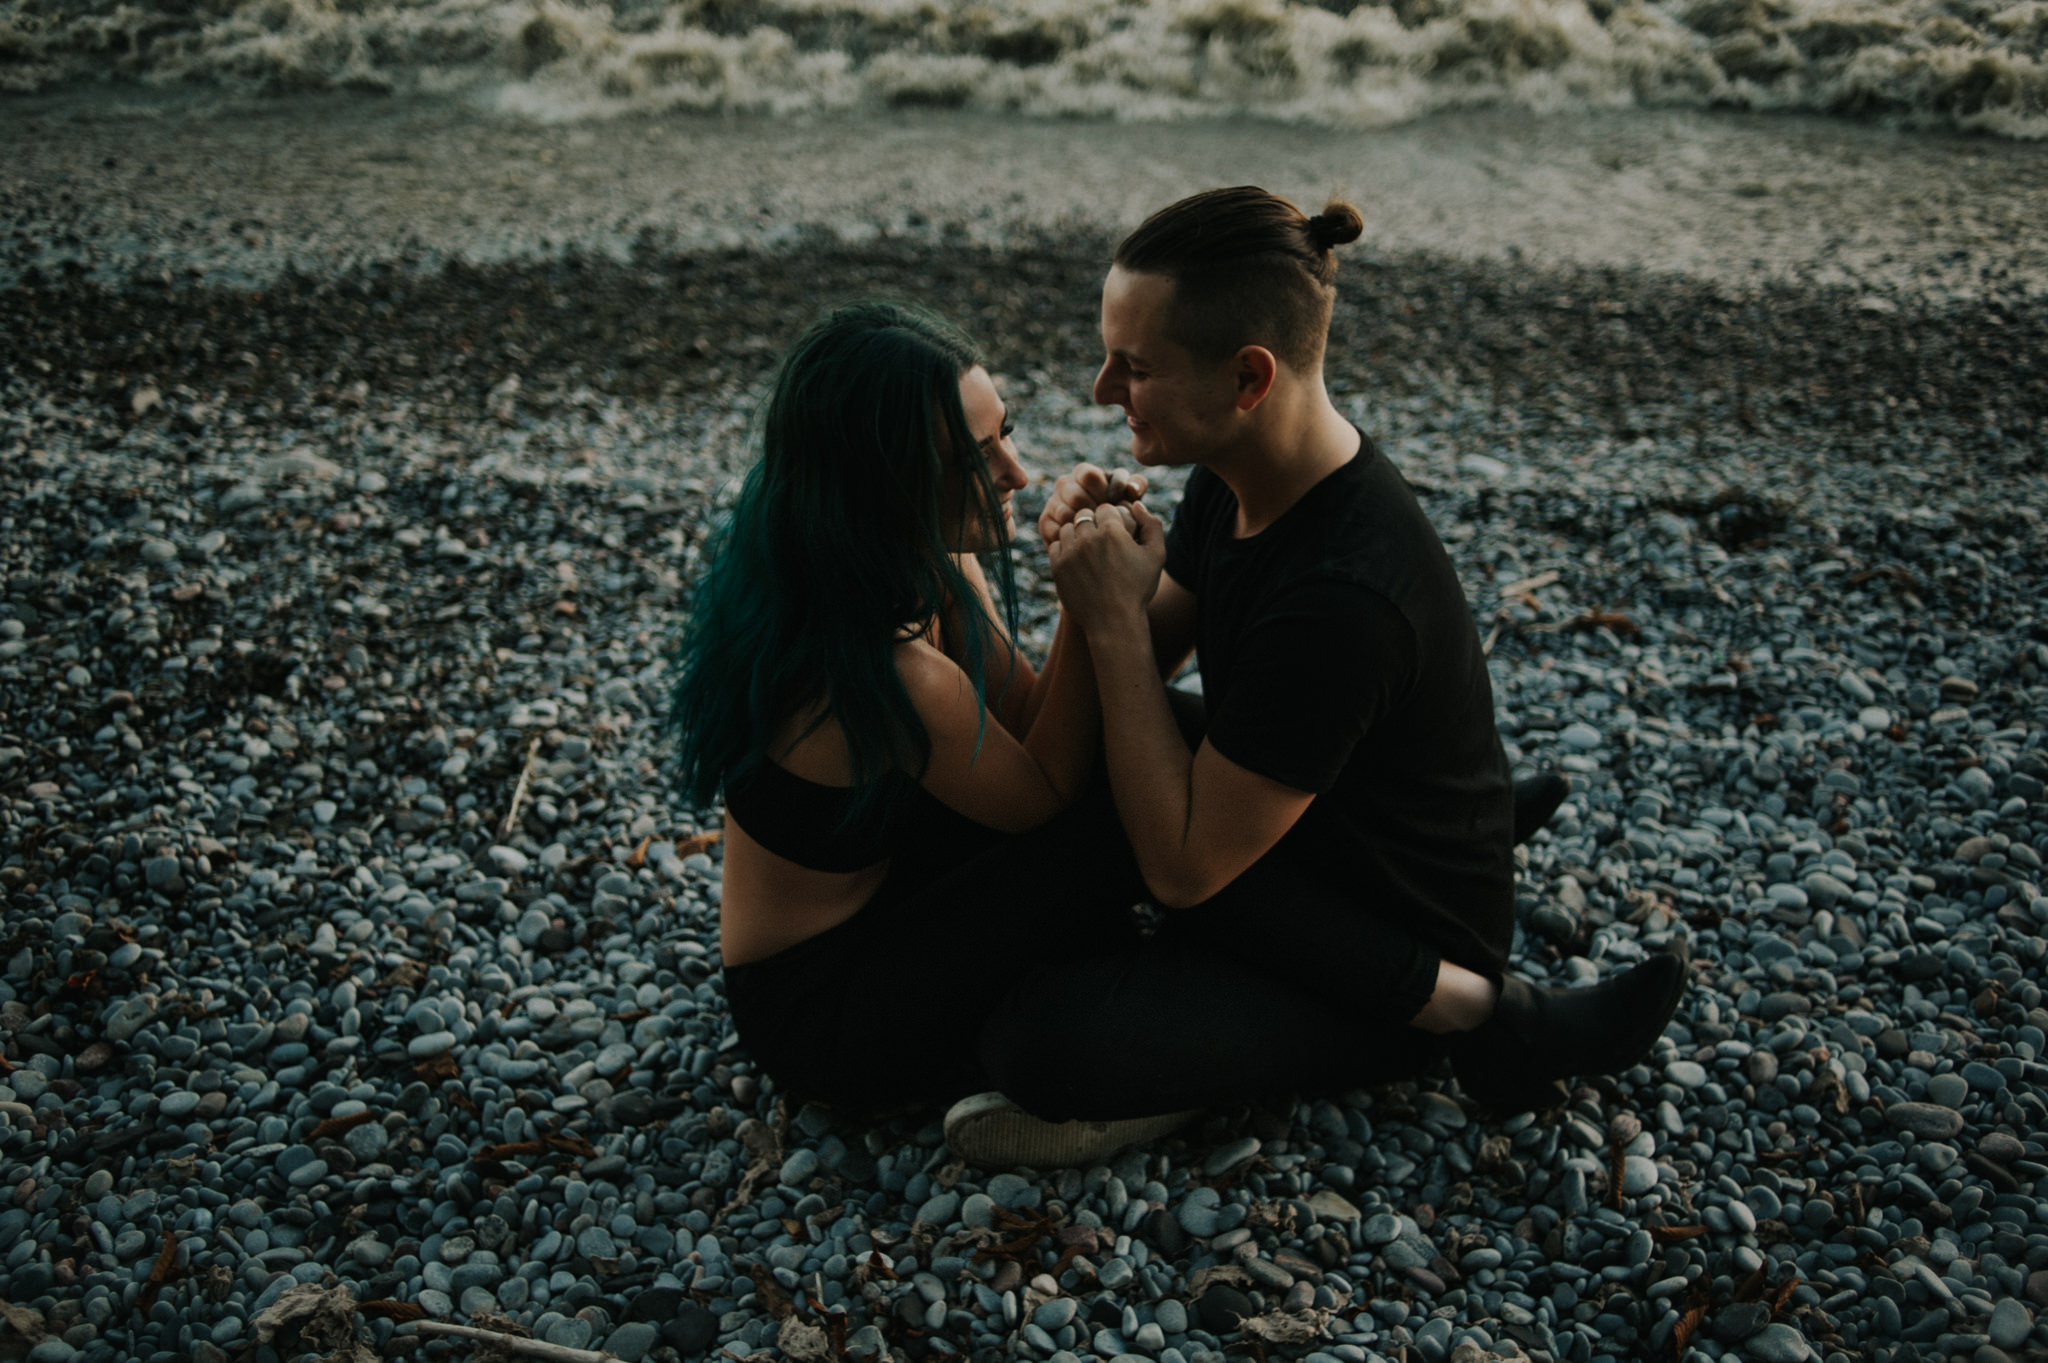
[1010,471]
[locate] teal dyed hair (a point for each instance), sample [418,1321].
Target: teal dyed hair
[836,550]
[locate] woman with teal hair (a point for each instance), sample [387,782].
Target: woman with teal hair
[848,683]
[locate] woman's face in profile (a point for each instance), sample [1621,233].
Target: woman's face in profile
[988,420]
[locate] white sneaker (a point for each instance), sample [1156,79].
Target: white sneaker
[990,1131]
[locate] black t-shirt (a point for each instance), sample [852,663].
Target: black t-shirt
[1339,657]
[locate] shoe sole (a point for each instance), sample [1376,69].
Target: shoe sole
[991,1132]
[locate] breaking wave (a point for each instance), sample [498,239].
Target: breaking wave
[1979,65]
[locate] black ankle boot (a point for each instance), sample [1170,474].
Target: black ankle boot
[1536,799]
[1538,1035]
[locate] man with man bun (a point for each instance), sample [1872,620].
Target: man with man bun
[1335,857]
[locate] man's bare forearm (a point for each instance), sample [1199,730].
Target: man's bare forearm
[1150,767]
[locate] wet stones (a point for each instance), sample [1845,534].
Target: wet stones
[1928,1121]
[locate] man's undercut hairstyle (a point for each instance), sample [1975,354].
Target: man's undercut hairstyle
[1248,268]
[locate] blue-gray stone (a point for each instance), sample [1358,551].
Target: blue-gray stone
[1949,1090]
[799,1169]
[632,1340]
[1199,1212]
[1014,1191]
[1581,736]
[1926,1120]
[429,1045]
[1381,1228]
[1779,1343]
[1055,1314]
[1226,1157]
[367,1141]
[1825,891]
[475,1275]
[939,1209]
[294,1157]
[1982,1077]
[570,1333]
[2011,1323]
[595,1242]
[1687,1074]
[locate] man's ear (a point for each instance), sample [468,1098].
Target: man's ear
[1256,371]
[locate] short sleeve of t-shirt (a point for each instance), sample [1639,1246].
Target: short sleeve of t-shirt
[1309,677]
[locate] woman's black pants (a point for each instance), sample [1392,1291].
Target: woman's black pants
[1019,966]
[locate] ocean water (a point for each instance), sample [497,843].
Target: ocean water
[1958,65]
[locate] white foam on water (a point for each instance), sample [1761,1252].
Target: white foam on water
[1977,65]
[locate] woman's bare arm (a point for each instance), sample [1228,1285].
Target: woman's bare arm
[982,769]
[1008,679]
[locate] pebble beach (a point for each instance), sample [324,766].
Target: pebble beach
[359,971]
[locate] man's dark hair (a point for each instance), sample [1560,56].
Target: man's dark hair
[1248,268]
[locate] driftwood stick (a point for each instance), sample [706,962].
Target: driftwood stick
[511,819]
[528,1348]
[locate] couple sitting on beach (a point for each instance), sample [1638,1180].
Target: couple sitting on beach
[933,851]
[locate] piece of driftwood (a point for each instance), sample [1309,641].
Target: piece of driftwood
[511,819]
[525,1348]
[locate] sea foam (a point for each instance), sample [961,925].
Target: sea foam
[1962,64]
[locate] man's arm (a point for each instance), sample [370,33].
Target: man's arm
[1196,821]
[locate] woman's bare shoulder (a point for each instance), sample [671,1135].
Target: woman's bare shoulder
[922,664]
[936,685]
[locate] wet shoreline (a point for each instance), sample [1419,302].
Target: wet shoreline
[122,182]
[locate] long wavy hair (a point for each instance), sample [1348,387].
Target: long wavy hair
[836,549]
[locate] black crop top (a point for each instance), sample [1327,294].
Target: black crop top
[805,822]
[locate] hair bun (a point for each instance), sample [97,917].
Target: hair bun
[1337,224]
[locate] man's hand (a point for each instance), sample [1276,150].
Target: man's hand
[1087,488]
[1106,564]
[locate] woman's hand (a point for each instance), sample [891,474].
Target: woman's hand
[1087,488]
[1106,563]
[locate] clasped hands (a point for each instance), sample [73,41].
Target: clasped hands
[1107,550]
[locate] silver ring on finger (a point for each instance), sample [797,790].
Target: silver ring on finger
[1084,518]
